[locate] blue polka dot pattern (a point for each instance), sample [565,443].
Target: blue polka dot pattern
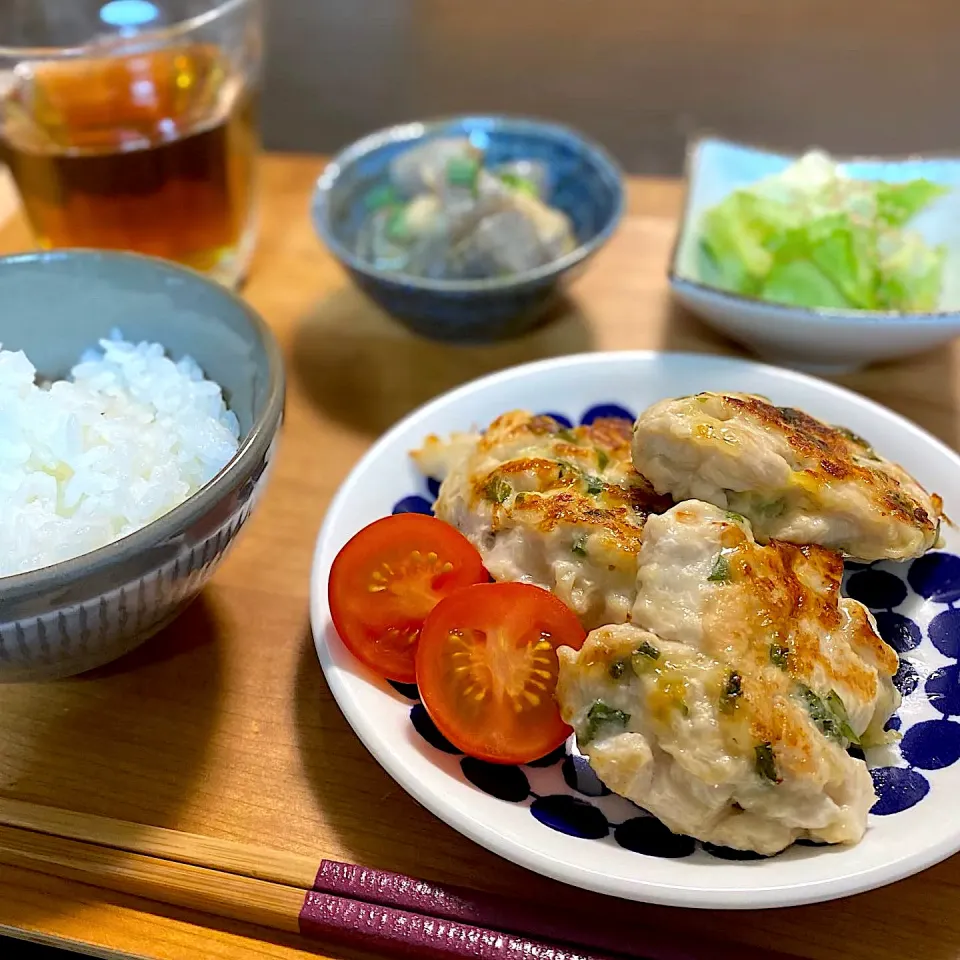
[729,853]
[649,836]
[926,745]
[898,789]
[906,678]
[943,690]
[602,410]
[877,589]
[936,576]
[571,815]
[500,780]
[414,504]
[427,729]
[900,632]
[931,744]
[944,633]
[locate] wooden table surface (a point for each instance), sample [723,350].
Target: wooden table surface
[223,724]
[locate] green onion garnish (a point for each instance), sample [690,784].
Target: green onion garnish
[779,655]
[721,570]
[497,490]
[601,715]
[732,691]
[765,762]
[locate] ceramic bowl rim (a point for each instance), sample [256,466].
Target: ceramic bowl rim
[176,521]
[822,315]
[416,131]
[119,45]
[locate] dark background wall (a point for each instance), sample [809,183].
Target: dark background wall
[640,75]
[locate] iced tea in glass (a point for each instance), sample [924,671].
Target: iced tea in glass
[132,124]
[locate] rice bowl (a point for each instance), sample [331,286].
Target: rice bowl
[71,615]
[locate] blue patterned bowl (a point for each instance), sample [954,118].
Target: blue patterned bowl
[553,816]
[586,184]
[81,613]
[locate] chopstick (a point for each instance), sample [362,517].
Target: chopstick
[321,916]
[376,888]
[226,856]
[226,895]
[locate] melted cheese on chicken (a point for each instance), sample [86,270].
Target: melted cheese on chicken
[560,508]
[725,707]
[793,477]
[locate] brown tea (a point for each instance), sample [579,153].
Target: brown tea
[153,152]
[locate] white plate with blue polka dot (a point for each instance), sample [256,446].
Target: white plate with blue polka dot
[553,816]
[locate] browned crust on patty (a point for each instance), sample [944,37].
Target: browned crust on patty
[827,454]
[790,596]
[562,483]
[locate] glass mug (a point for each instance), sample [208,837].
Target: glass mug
[132,124]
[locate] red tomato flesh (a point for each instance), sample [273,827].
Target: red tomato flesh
[487,670]
[385,581]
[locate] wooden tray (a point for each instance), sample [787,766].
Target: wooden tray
[223,725]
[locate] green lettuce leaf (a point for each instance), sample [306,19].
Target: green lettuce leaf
[899,203]
[839,245]
[911,277]
[842,250]
[800,283]
[733,239]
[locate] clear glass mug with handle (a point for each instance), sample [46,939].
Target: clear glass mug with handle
[132,124]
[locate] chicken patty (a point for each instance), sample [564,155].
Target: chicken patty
[726,707]
[794,477]
[560,508]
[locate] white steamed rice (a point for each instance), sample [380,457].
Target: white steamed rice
[88,460]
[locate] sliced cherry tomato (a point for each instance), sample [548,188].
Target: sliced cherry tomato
[385,581]
[487,670]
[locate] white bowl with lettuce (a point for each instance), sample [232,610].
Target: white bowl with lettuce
[819,263]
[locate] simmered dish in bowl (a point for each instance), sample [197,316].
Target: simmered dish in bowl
[443,214]
[464,229]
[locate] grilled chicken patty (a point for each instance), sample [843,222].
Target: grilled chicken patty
[794,477]
[726,706]
[560,508]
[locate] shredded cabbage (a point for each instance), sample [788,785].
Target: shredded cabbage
[813,237]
